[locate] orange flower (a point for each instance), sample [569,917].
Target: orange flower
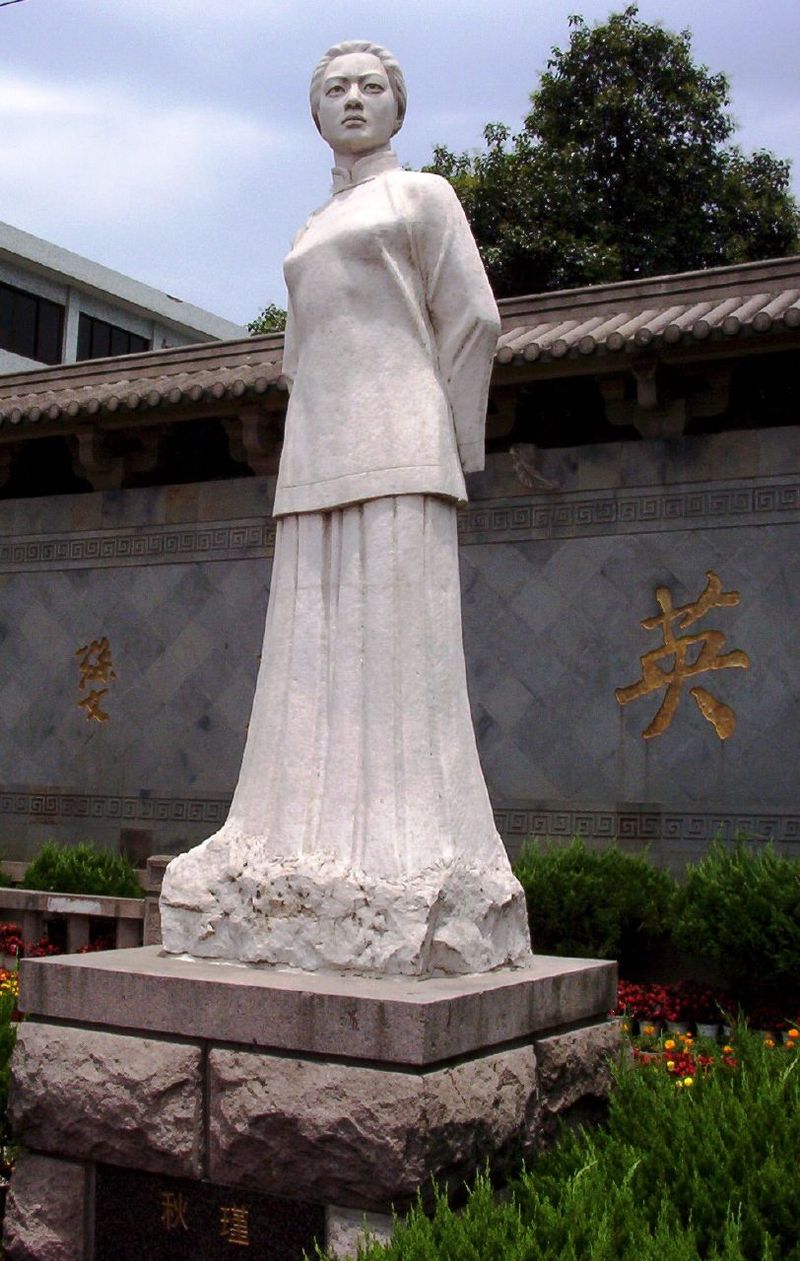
[669,1045]
[727,1050]
[769,1042]
[793,1033]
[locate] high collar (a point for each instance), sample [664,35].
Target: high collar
[364,169]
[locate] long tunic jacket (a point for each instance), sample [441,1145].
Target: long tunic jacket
[390,338]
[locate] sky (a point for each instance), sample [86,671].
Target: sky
[171,139]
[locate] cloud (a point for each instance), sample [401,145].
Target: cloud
[105,153]
[233,11]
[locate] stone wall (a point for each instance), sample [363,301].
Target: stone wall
[175,580]
[556,584]
[556,587]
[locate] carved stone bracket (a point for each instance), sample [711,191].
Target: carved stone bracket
[657,411]
[145,458]
[92,459]
[254,440]
[714,398]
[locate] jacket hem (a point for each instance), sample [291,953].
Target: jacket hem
[338,492]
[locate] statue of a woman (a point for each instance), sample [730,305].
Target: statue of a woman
[361,834]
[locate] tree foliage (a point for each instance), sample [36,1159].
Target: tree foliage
[624,167]
[271,320]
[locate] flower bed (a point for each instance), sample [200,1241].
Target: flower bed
[653,1004]
[12,946]
[9,1019]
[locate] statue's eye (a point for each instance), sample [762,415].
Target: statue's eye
[373,87]
[335,89]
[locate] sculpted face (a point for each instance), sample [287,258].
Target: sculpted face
[357,107]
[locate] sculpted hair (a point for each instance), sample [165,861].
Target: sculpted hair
[390,64]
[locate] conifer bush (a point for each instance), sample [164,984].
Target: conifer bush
[704,1171]
[599,904]
[83,868]
[741,910]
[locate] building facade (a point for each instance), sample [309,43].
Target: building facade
[56,307]
[630,574]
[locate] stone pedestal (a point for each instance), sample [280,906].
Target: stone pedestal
[334,1093]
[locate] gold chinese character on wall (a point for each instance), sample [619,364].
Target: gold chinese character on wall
[233,1225]
[174,1209]
[682,657]
[95,666]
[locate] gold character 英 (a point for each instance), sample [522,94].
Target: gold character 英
[683,657]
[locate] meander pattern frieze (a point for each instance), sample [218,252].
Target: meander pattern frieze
[625,512]
[140,546]
[514,822]
[66,806]
[521,519]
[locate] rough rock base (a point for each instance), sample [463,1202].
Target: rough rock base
[44,1218]
[220,1069]
[227,900]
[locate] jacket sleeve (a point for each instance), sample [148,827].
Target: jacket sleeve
[463,314]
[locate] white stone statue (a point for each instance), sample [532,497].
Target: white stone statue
[361,836]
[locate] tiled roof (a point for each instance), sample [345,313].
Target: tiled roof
[598,324]
[718,305]
[207,373]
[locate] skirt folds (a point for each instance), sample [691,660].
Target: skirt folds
[360,742]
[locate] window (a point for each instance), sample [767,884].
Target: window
[97,339]
[30,326]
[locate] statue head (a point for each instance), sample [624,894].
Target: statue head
[358,96]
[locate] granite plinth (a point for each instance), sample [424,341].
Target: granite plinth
[147,1114]
[389,1019]
[349,1093]
[44,1218]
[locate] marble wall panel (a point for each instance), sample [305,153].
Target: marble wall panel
[555,587]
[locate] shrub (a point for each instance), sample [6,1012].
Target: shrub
[84,868]
[741,910]
[685,1172]
[601,904]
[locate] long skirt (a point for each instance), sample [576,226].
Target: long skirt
[361,743]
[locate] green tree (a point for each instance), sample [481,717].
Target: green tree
[623,168]
[271,320]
